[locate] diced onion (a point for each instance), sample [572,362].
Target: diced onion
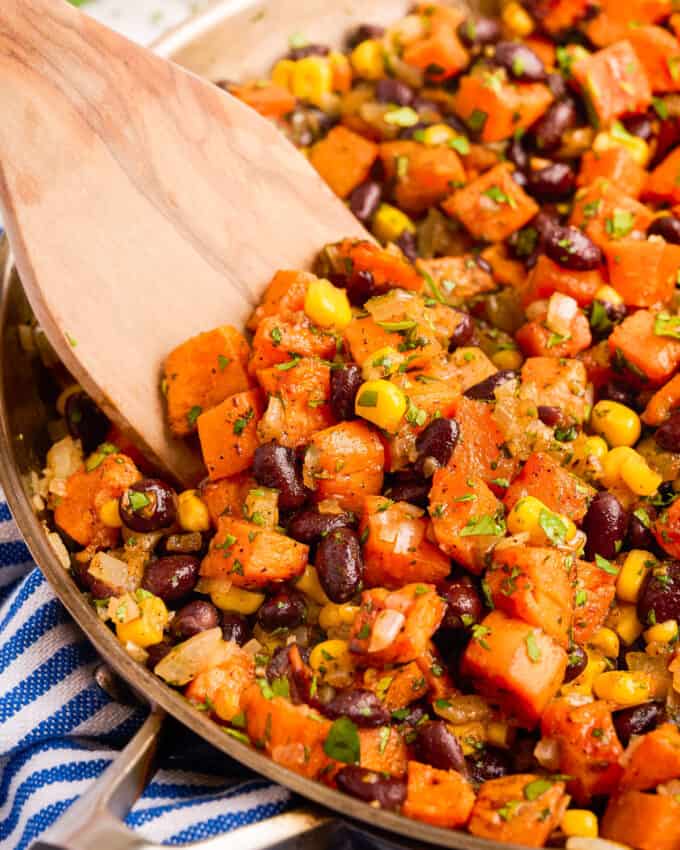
[406,539]
[253,647]
[547,752]
[387,626]
[186,660]
[561,312]
[64,458]
[113,572]
[536,310]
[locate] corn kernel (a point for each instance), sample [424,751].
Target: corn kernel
[605,641]
[499,734]
[109,514]
[632,574]
[623,687]
[529,515]
[333,616]
[618,424]
[618,137]
[237,600]
[310,585]
[389,223]
[508,358]
[147,629]
[312,79]
[638,476]
[579,823]
[382,363]
[612,463]
[327,305]
[608,295]
[666,632]
[333,662]
[517,20]
[624,620]
[583,683]
[438,134]
[382,403]
[368,59]
[192,512]
[282,73]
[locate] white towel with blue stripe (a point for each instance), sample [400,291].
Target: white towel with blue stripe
[59,730]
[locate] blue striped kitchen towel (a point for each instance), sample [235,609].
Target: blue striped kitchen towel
[59,730]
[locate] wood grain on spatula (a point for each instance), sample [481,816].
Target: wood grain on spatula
[143,205]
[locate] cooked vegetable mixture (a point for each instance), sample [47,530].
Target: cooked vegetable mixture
[435,562]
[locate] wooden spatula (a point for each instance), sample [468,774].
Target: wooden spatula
[143,205]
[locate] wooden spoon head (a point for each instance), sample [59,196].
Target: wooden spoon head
[143,205]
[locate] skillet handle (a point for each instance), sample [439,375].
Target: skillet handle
[94,821]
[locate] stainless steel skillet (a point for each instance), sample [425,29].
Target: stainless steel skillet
[233,39]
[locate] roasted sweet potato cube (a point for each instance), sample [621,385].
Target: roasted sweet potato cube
[285,297]
[643,273]
[228,434]
[594,593]
[276,340]
[480,447]
[652,759]
[644,821]
[559,490]
[440,797]
[557,383]
[608,212]
[616,165]
[227,496]
[515,664]
[383,752]
[426,176]
[388,266]
[343,159]
[201,372]
[220,689]
[638,349]
[457,278]
[659,53]
[663,183]
[547,277]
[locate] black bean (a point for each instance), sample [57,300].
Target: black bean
[660,596]
[309,526]
[196,616]
[667,137]
[409,489]
[456,124]
[274,466]
[306,50]
[365,200]
[148,505]
[637,720]
[668,433]
[640,126]
[550,416]
[410,132]
[517,154]
[362,707]
[463,604]
[549,130]
[463,332]
[284,610]
[480,31]
[491,763]
[614,391]
[408,244]
[577,662]
[340,564]
[555,182]
[435,445]
[666,226]
[157,652]
[557,85]
[91,584]
[639,536]
[364,32]
[85,421]
[546,222]
[438,746]
[172,577]
[345,383]
[279,664]
[519,61]
[388,792]
[360,286]
[602,325]
[605,525]
[484,390]
[389,90]
[571,248]
[235,627]
[422,104]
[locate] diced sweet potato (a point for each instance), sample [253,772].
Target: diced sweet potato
[480,447]
[398,687]
[440,797]
[276,340]
[589,750]
[506,271]
[423,176]
[659,53]
[383,751]
[434,396]
[614,82]
[555,16]
[637,348]
[537,340]
[285,297]
[457,278]
[396,550]
[201,373]
[662,403]
[534,584]
[547,277]
[652,759]
[496,108]
[594,593]
[616,165]
[292,735]
[493,206]
[388,266]
[467,519]
[419,610]
[299,392]
[520,809]
[440,52]
[558,489]
[346,463]
[227,496]
[663,184]
[666,529]
[609,213]
[77,513]
[643,273]
[614,19]
[228,434]
[364,336]
[515,664]
[556,383]
[468,365]
[343,159]
[220,689]
[270,100]
[644,821]
[252,557]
